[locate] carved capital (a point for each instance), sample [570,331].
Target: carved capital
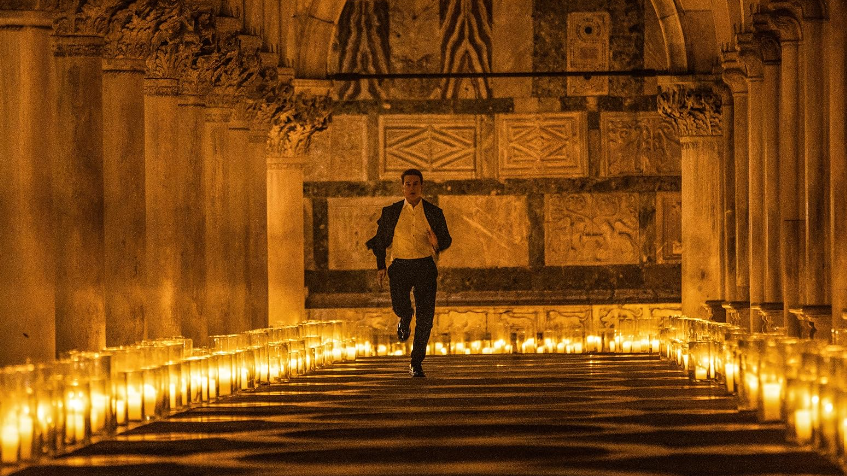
[694,111]
[734,73]
[292,128]
[781,23]
[131,30]
[85,17]
[750,55]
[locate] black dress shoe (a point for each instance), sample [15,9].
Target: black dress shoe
[416,371]
[403,331]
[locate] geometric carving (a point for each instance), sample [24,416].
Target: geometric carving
[488,231]
[352,222]
[340,152]
[591,229]
[465,47]
[638,143]
[588,50]
[363,44]
[441,146]
[668,227]
[546,145]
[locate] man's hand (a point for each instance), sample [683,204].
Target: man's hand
[380,276]
[433,240]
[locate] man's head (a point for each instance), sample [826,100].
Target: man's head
[412,180]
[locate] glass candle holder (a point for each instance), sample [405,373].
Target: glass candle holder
[772,382]
[803,398]
[825,435]
[700,360]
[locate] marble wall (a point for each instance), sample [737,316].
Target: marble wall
[556,190]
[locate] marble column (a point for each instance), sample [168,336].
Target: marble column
[77,181]
[123,200]
[729,265]
[286,240]
[835,37]
[165,179]
[215,139]
[27,260]
[257,244]
[237,152]
[696,110]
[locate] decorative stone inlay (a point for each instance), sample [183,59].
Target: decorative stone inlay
[549,145]
[488,231]
[469,325]
[642,143]
[694,111]
[363,44]
[668,227]
[441,146]
[588,50]
[352,222]
[591,229]
[340,153]
[465,47]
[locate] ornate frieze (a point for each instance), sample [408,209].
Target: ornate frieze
[549,145]
[591,229]
[642,143]
[588,50]
[441,146]
[693,111]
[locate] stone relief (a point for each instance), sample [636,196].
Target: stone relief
[363,47]
[642,143]
[591,229]
[465,47]
[550,145]
[694,111]
[292,127]
[414,46]
[668,227]
[488,231]
[441,146]
[340,153]
[352,222]
[588,50]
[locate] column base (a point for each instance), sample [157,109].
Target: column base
[714,310]
[815,322]
[769,315]
[737,313]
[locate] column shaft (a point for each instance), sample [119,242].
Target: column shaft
[238,150]
[742,196]
[27,260]
[78,195]
[124,214]
[836,65]
[757,230]
[770,118]
[257,245]
[286,267]
[730,266]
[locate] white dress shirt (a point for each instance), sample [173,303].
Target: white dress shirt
[410,235]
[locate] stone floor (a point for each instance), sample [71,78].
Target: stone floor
[516,415]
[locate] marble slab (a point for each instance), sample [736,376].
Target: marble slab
[542,145]
[352,222]
[638,143]
[340,153]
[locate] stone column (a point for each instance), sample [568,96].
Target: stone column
[729,265]
[27,261]
[751,57]
[696,110]
[257,244]
[236,166]
[215,141]
[835,37]
[165,177]
[123,187]
[78,194]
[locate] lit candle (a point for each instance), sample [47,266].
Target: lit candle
[626,347]
[25,433]
[134,399]
[99,402]
[75,416]
[771,401]
[730,369]
[803,425]
[11,440]
[701,372]
[225,378]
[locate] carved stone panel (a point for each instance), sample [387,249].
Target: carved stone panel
[591,229]
[441,146]
[642,143]
[487,231]
[339,153]
[414,46]
[588,50]
[352,222]
[668,227]
[549,145]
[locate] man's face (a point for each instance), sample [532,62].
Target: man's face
[412,189]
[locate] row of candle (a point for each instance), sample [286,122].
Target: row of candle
[46,409]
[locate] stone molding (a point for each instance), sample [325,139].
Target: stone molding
[161,87]
[734,72]
[694,110]
[35,18]
[750,55]
[77,45]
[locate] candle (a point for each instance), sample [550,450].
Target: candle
[133,401]
[771,401]
[99,402]
[626,348]
[25,433]
[730,369]
[11,441]
[225,379]
[150,399]
[701,372]
[803,425]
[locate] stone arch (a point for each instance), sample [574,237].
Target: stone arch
[315,29]
[675,47]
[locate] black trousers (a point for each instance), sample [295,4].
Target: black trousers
[418,276]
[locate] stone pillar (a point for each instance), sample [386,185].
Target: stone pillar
[696,110]
[727,167]
[835,37]
[286,241]
[257,244]
[165,178]
[215,141]
[78,194]
[27,260]
[237,160]
[123,200]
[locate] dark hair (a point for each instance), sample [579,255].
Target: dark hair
[411,172]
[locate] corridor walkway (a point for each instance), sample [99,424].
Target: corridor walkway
[502,414]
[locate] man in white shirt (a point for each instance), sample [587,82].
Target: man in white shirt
[416,232]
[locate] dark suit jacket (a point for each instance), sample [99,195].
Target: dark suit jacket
[388,221]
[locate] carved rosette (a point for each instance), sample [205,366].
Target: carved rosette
[693,111]
[292,128]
